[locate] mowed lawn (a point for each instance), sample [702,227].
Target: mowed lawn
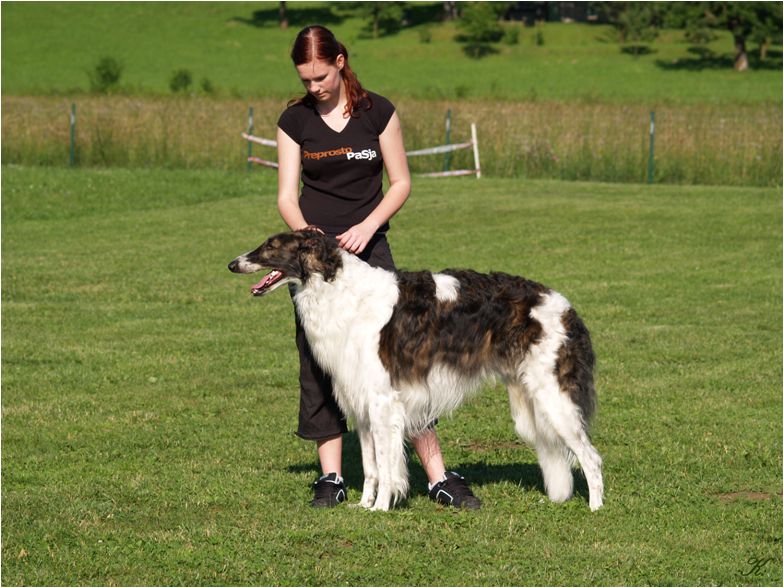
[149,401]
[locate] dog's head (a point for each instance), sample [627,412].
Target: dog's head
[293,257]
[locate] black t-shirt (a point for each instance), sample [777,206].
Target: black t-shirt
[342,172]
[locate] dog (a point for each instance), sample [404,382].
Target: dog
[404,348]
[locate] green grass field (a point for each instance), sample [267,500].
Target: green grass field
[49,47]
[149,402]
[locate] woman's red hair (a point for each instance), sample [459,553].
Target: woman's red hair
[319,43]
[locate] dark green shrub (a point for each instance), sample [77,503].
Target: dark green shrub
[180,81]
[106,75]
[539,36]
[207,86]
[511,35]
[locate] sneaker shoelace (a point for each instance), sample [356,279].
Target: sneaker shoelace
[454,490]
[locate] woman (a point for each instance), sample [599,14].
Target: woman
[341,137]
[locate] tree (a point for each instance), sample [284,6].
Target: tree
[759,22]
[283,15]
[480,26]
[638,25]
[769,24]
[745,20]
[450,10]
[384,17]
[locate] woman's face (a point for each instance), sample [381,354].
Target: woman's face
[321,79]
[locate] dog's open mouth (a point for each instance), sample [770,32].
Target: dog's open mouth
[267,283]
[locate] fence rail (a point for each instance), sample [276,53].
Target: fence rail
[440,149]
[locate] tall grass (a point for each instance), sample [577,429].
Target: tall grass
[706,144]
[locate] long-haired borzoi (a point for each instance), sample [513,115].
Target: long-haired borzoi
[406,347]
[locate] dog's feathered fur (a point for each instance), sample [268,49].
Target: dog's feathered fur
[404,348]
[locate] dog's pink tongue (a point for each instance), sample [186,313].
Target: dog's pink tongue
[268,279]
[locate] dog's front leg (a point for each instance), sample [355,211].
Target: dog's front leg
[387,423]
[369,465]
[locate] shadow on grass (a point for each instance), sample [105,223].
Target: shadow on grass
[415,14]
[527,476]
[704,58]
[637,50]
[297,17]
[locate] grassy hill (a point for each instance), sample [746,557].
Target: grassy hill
[238,47]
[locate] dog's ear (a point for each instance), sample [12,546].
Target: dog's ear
[311,242]
[318,255]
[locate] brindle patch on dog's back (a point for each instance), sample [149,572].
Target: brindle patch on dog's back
[489,324]
[575,363]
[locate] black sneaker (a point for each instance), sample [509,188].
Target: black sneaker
[454,491]
[329,491]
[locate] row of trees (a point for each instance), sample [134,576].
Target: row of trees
[636,23]
[759,22]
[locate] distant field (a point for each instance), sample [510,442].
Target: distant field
[49,47]
[149,402]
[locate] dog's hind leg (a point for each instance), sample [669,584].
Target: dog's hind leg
[387,421]
[555,462]
[560,426]
[368,464]
[558,373]
[553,456]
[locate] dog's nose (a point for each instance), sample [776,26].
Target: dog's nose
[233,266]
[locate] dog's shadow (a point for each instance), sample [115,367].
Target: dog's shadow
[527,476]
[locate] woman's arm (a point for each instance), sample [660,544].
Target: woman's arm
[355,239]
[288,158]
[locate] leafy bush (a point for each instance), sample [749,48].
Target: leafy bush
[511,35]
[539,36]
[180,81]
[106,75]
[207,86]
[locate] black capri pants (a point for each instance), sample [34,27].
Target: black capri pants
[319,415]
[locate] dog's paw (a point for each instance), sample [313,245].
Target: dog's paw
[368,500]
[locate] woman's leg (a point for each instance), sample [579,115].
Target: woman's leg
[447,488]
[330,454]
[320,420]
[427,447]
